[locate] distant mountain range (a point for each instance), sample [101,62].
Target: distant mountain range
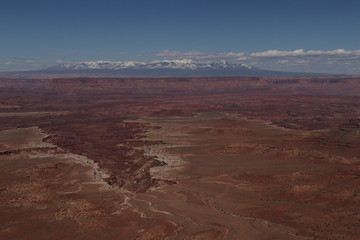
[168,68]
[164,68]
[184,64]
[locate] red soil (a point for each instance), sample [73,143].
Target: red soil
[239,176]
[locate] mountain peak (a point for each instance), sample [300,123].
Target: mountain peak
[166,68]
[173,64]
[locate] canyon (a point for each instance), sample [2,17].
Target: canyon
[180,158]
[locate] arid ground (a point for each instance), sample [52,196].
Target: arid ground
[180,159]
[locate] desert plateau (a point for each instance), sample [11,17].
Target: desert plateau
[221,158]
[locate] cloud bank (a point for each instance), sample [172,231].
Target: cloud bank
[339,61]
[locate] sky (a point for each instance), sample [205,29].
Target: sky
[291,35]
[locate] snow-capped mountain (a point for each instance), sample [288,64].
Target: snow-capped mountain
[164,64]
[173,64]
[165,68]
[96,65]
[226,64]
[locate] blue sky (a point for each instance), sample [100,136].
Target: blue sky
[297,35]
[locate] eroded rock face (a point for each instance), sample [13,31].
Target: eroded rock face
[213,158]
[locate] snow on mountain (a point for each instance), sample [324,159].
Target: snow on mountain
[182,64]
[108,65]
[226,64]
[173,64]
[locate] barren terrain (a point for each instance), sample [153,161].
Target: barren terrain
[184,158]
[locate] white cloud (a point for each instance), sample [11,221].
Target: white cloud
[244,58]
[301,52]
[277,53]
[234,54]
[269,53]
[198,55]
[340,60]
[8,63]
[193,53]
[168,53]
